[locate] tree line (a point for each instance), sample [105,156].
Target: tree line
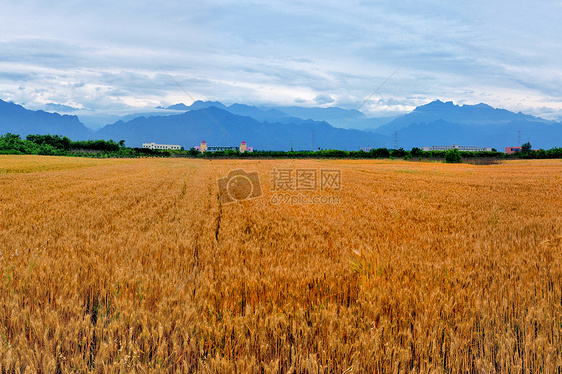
[415,154]
[56,145]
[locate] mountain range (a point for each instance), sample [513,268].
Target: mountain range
[298,128]
[18,120]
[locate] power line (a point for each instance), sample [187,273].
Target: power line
[198,103]
[360,106]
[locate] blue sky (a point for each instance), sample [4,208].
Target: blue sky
[106,56]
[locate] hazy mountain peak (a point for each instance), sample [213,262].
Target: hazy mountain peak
[434,105]
[198,104]
[16,119]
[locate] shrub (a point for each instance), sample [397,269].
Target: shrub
[453,156]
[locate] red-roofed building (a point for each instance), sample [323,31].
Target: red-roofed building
[203,146]
[511,150]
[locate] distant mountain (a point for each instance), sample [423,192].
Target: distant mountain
[440,132]
[180,106]
[263,115]
[225,128]
[333,115]
[474,115]
[283,128]
[439,123]
[270,114]
[197,105]
[18,120]
[330,114]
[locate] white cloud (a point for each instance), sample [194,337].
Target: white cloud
[323,99]
[106,56]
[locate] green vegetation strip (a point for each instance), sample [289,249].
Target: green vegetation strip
[56,145]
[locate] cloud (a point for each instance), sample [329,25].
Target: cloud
[106,56]
[324,99]
[14,77]
[61,108]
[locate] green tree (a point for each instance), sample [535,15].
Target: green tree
[526,148]
[400,152]
[416,152]
[453,156]
[54,141]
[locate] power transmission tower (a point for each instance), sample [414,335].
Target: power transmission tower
[395,139]
[519,138]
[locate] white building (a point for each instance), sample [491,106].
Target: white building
[464,148]
[160,146]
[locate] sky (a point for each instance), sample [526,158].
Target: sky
[116,57]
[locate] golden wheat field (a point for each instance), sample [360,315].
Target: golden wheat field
[141,266]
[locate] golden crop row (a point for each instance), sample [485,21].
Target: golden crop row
[136,265]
